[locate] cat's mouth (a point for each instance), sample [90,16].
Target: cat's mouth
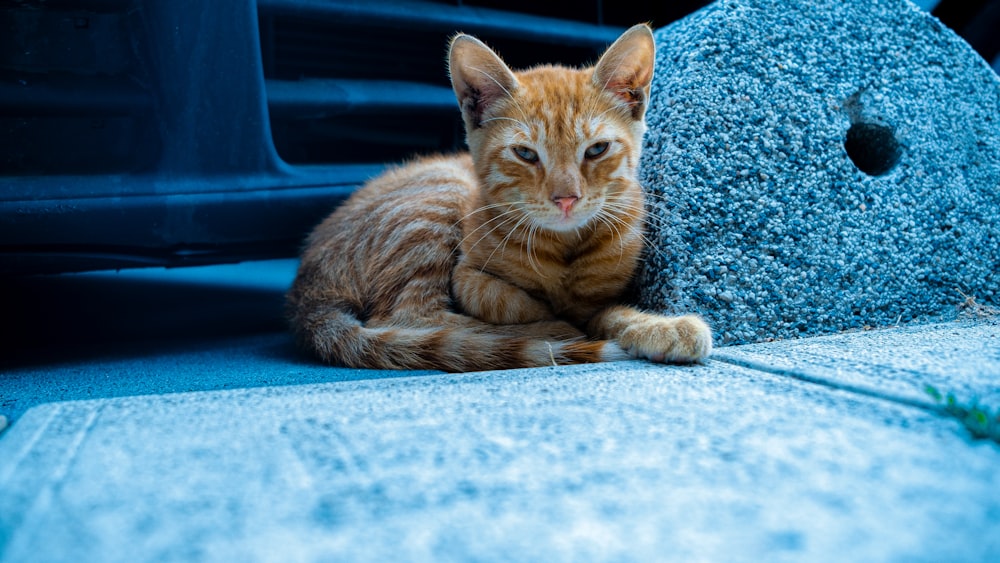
[563,220]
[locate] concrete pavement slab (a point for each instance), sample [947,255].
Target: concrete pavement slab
[604,462]
[957,357]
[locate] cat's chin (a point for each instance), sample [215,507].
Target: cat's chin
[562,224]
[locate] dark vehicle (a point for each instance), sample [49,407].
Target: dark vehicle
[177,132]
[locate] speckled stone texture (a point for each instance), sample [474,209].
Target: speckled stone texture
[620,462]
[819,165]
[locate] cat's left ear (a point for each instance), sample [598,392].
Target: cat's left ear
[480,78]
[626,68]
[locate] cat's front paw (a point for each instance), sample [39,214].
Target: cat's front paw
[679,340]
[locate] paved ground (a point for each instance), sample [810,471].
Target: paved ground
[205,436]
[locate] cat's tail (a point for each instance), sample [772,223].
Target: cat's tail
[337,336]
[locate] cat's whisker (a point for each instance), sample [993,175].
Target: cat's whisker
[659,197]
[494,229]
[480,210]
[594,101]
[621,106]
[626,209]
[622,208]
[502,246]
[532,257]
[609,220]
[485,224]
[517,121]
[639,208]
[510,235]
[494,80]
[614,212]
[526,236]
[525,249]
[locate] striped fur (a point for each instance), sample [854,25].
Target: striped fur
[512,255]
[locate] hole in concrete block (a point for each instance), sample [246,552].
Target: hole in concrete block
[873,148]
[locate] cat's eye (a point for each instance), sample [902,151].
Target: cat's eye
[597,149]
[526,154]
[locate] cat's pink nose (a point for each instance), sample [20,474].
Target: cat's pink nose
[565,203]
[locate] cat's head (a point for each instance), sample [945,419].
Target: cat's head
[558,144]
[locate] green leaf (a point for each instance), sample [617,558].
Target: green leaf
[981,422]
[979,417]
[933,392]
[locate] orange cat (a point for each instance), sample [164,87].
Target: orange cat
[514,255]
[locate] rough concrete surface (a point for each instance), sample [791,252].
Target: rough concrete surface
[820,165]
[622,462]
[962,358]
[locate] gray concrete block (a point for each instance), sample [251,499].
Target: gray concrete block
[820,165]
[587,463]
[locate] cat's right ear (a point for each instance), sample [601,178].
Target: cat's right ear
[479,77]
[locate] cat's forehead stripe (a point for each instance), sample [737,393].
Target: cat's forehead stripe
[566,106]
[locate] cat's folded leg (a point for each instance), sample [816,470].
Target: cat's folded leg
[658,338]
[494,300]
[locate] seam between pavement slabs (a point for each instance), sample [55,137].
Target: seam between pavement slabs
[28,445]
[830,384]
[73,450]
